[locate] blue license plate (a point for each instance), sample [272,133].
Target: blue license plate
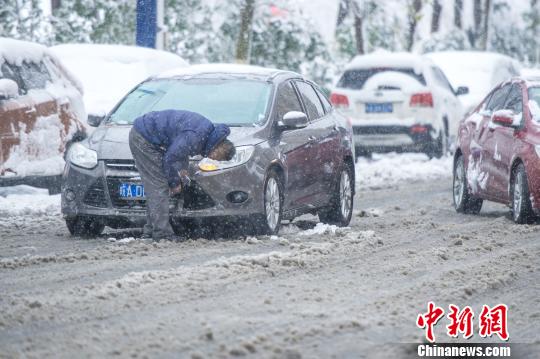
[385,107]
[131,191]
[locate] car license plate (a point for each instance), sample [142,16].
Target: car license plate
[385,107]
[131,191]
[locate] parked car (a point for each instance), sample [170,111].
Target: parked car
[108,72]
[41,111]
[498,154]
[294,153]
[398,102]
[480,71]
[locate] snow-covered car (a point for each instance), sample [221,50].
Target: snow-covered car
[294,153]
[108,72]
[41,111]
[498,154]
[398,102]
[479,71]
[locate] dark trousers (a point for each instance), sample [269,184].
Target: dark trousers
[149,159]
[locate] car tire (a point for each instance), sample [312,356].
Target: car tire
[522,212]
[270,221]
[439,147]
[463,201]
[84,226]
[339,212]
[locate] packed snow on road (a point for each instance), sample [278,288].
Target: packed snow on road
[314,290]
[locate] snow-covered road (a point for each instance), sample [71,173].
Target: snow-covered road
[313,291]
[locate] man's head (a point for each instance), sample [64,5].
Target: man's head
[224,151]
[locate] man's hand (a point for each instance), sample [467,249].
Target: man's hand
[184,178]
[175,190]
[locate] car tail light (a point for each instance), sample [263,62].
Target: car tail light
[339,100]
[419,129]
[424,99]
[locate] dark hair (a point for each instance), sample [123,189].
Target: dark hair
[228,149]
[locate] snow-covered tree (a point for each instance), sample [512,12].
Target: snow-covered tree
[23,19]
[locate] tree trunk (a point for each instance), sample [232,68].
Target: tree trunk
[414,11]
[477,16]
[458,13]
[359,35]
[436,17]
[485,26]
[55,4]
[244,39]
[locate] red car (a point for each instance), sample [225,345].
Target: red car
[498,151]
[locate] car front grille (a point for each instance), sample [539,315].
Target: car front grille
[121,165]
[95,196]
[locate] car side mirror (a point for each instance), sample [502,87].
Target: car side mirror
[8,89]
[293,120]
[462,90]
[504,118]
[94,120]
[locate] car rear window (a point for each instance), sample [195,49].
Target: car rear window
[355,79]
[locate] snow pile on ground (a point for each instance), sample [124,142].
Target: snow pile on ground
[385,170]
[26,200]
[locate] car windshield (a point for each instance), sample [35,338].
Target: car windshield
[230,101]
[534,103]
[355,79]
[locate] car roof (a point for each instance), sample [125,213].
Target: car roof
[118,53]
[465,59]
[16,51]
[383,58]
[236,70]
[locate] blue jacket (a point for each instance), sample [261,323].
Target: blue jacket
[182,134]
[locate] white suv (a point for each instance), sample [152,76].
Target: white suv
[398,102]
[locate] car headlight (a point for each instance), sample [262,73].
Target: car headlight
[82,156]
[537,149]
[243,154]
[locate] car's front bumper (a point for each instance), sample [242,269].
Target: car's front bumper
[95,193]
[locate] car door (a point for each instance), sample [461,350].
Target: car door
[322,159]
[499,146]
[295,148]
[452,108]
[15,114]
[483,173]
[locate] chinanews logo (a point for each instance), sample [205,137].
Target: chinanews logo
[492,321]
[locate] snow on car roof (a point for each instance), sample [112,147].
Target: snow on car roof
[108,72]
[235,69]
[16,51]
[480,60]
[383,58]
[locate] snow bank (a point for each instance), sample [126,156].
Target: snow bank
[26,200]
[109,72]
[391,169]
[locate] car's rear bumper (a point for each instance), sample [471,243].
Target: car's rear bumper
[94,193]
[394,137]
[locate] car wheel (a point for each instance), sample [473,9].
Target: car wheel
[463,201]
[270,222]
[439,147]
[341,207]
[521,203]
[84,226]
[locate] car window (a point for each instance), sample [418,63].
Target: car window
[286,101]
[534,103]
[498,98]
[355,79]
[514,101]
[34,75]
[10,72]
[325,102]
[311,100]
[441,79]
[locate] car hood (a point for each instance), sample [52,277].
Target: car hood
[111,142]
